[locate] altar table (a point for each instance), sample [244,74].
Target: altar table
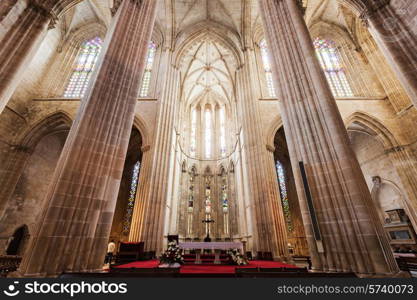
[217,246]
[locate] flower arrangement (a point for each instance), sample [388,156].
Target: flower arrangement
[172,257]
[236,258]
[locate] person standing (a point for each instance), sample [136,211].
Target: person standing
[111,247]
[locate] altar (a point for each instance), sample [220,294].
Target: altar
[216,246]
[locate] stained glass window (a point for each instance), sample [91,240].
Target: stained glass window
[86,62]
[193,142]
[146,80]
[222,132]
[207,133]
[330,61]
[267,68]
[284,196]
[132,196]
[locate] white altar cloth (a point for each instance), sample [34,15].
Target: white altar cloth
[211,245]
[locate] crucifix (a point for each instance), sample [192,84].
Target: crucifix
[208,220]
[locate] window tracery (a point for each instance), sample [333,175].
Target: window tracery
[85,64]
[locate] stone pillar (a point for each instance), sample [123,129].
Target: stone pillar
[395,38]
[74,228]
[270,234]
[174,198]
[273,188]
[150,216]
[22,29]
[351,238]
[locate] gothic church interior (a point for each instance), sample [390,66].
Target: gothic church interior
[286,125]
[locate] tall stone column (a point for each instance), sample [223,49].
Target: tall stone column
[276,200]
[394,37]
[149,217]
[74,228]
[270,234]
[352,239]
[24,26]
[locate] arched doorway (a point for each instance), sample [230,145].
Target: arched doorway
[17,242]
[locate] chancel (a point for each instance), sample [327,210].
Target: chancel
[208,134]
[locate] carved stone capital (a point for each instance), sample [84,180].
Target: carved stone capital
[145,148]
[270,148]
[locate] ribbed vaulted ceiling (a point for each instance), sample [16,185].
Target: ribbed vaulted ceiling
[208,70]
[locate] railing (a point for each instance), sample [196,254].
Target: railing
[8,264]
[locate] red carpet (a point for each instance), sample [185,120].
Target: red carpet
[208,269]
[147,264]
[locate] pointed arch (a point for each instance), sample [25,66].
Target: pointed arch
[375,127]
[84,33]
[157,35]
[331,31]
[258,32]
[402,159]
[16,245]
[51,124]
[272,130]
[140,124]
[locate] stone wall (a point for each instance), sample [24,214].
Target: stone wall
[27,201]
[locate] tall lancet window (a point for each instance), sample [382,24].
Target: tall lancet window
[207,133]
[193,132]
[131,200]
[284,196]
[267,68]
[222,131]
[146,79]
[331,63]
[85,64]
